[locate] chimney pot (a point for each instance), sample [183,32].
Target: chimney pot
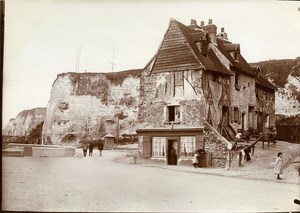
[222,30]
[193,22]
[202,24]
[210,21]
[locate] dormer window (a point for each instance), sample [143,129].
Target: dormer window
[234,55]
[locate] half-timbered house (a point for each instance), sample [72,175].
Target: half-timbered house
[195,89]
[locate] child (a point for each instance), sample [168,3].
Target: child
[278,165]
[195,160]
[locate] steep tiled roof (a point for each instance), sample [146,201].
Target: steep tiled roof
[241,64]
[261,80]
[211,61]
[232,47]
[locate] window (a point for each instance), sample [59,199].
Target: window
[178,78]
[236,115]
[158,147]
[237,81]
[173,113]
[234,55]
[187,145]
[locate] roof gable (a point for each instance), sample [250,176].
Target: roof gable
[178,52]
[175,53]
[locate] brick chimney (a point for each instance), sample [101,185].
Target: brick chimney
[211,29]
[222,35]
[193,22]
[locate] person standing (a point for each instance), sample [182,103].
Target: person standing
[91,147]
[195,160]
[173,157]
[100,146]
[278,165]
[84,148]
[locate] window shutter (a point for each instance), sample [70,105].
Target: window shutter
[239,116]
[172,85]
[232,114]
[146,147]
[199,142]
[272,121]
[178,78]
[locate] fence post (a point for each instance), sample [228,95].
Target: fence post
[263,143]
[240,159]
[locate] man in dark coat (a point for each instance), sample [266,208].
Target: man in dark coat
[100,146]
[91,147]
[84,148]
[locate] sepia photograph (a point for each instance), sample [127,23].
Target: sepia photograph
[150,106]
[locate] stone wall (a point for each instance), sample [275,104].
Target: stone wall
[158,91]
[214,146]
[91,105]
[242,96]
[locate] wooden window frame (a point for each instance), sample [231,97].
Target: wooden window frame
[178,78]
[176,113]
[159,145]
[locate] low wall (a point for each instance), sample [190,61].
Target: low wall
[52,152]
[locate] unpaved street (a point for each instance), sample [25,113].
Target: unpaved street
[99,184]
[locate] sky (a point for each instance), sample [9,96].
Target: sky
[44,38]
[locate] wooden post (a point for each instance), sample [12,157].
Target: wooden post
[263,143]
[228,160]
[240,159]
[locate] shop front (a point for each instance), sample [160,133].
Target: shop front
[171,146]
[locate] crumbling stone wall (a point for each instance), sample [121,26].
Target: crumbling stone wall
[242,96]
[158,91]
[215,147]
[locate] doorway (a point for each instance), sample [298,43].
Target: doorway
[172,152]
[243,121]
[259,121]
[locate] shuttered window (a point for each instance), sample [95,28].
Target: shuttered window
[272,120]
[236,115]
[178,78]
[146,147]
[187,145]
[158,147]
[173,113]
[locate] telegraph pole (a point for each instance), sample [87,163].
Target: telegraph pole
[113,60]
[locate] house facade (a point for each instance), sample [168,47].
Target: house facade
[196,91]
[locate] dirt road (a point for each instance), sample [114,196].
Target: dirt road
[100,184]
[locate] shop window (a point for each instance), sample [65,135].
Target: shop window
[187,145]
[178,78]
[158,147]
[173,113]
